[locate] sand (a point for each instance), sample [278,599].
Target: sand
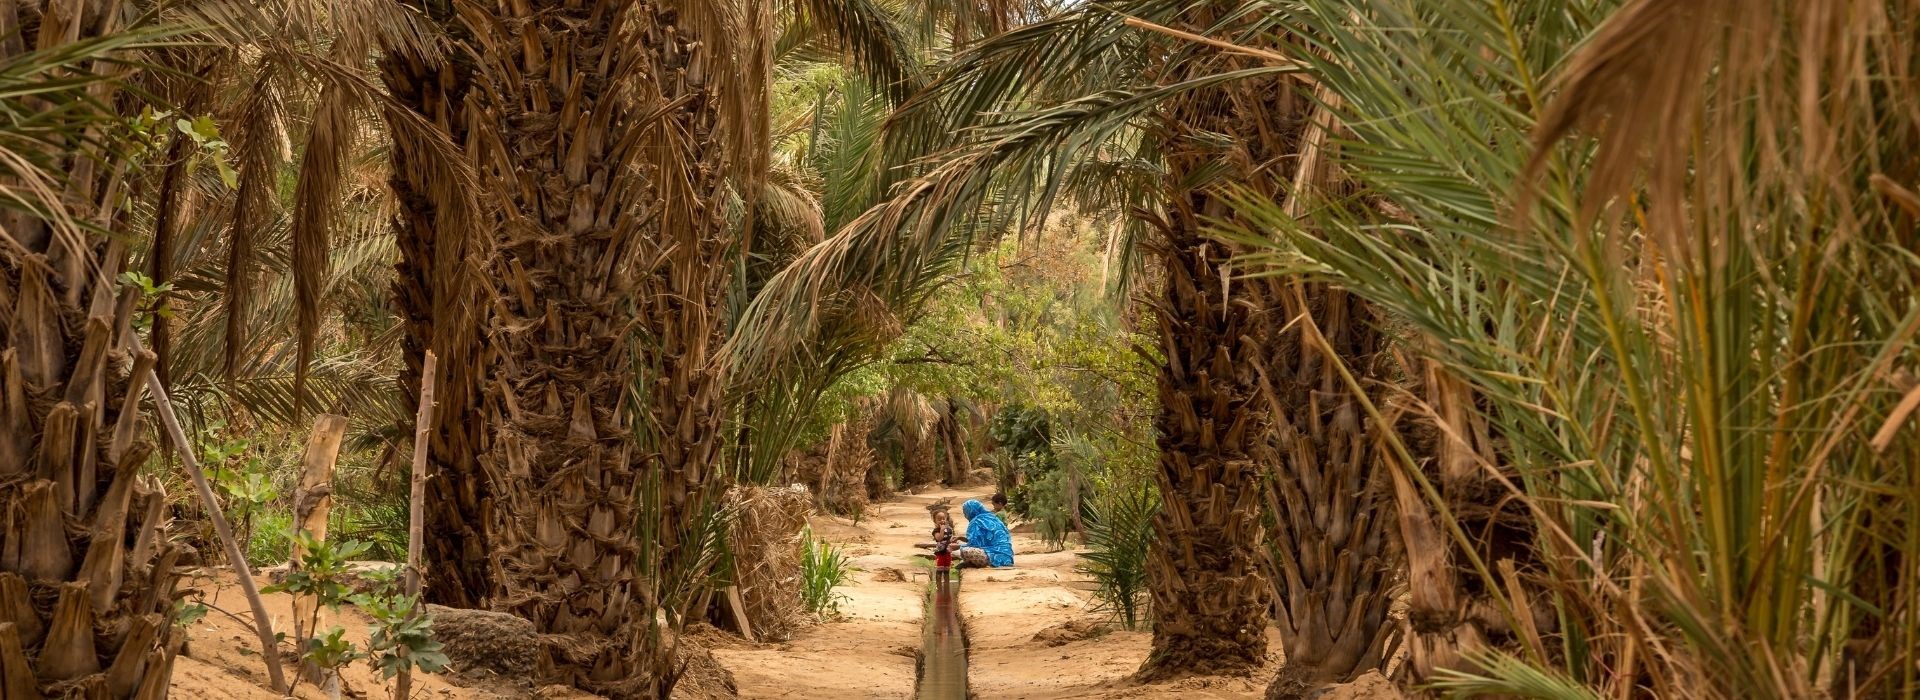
[1032,628]
[222,658]
[1033,631]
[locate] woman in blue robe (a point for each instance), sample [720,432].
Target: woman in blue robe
[987,535]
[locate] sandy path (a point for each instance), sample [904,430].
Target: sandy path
[1035,633]
[1032,631]
[869,653]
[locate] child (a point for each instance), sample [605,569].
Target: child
[942,541]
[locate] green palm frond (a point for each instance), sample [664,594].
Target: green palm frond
[1677,352]
[47,112]
[871,36]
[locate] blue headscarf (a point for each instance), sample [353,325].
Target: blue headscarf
[984,530]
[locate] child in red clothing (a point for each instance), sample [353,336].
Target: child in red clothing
[942,541]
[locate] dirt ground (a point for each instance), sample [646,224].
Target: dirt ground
[222,658]
[1032,631]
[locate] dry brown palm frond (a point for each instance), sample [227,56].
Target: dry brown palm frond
[256,139]
[765,546]
[357,26]
[316,194]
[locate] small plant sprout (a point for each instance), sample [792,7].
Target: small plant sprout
[823,567]
[401,636]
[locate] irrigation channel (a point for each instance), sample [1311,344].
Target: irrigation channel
[943,650]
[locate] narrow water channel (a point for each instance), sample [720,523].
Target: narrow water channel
[943,649]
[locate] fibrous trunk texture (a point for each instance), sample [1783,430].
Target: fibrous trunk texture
[1210,599]
[86,577]
[1330,491]
[1450,611]
[609,248]
[438,300]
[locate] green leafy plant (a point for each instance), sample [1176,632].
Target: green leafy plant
[1119,533]
[823,568]
[323,569]
[322,574]
[185,613]
[331,651]
[153,298]
[270,540]
[401,636]
[213,149]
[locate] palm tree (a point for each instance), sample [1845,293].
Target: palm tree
[71,439]
[434,293]
[612,144]
[1665,273]
[1121,104]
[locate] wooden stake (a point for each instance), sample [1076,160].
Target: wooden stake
[739,608]
[313,500]
[416,508]
[269,651]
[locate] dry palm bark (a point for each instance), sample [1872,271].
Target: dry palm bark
[1246,401]
[1209,595]
[1330,491]
[436,296]
[86,577]
[609,255]
[1450,612]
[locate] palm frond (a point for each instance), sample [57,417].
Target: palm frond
[872,37]
[316,193]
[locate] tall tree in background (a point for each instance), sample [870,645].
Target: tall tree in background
[436,293]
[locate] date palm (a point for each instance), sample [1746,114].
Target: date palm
[588,301]
[84,550]
[1672,270]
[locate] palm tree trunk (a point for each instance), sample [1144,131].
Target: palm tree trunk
[1209,597]
[1450,612]
[86,575]
[609,171]
[1329,493]
[435,296]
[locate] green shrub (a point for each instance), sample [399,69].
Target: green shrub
[1049,509]
[823,568]
[1120,533]
[269,542]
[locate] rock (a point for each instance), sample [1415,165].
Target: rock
[481,642]
[888,574]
